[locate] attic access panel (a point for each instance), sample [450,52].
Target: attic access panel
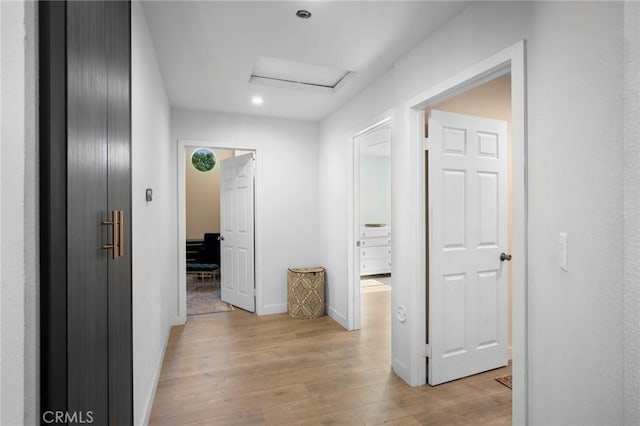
[288,74]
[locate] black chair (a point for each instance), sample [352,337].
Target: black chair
[208,258]
[210,251]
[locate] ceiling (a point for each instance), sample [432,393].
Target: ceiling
[207,51]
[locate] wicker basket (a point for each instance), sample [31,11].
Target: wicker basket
[305,289]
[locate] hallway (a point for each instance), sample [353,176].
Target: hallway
[239,368]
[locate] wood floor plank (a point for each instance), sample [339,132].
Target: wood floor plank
[235,368]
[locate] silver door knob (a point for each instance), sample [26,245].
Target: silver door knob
[504,256]
[221,238]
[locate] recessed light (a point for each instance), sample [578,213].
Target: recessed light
[303,14]
[257,100]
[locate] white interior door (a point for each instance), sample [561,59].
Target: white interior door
[468,233]
[237,275]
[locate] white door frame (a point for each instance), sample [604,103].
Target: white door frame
[181,316]
[510,59]
[353,302]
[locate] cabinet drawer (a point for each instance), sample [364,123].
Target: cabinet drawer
[375,242]
[375,252]
[375,232]
[375,266]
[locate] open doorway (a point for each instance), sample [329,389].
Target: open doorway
[469,229]
[216,199]
[509,60]
[202,244]
[371,282]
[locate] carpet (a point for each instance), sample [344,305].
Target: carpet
[506,380]
[203,297]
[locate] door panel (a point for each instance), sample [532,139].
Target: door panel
[488,209]
[488,321]
[89,336]
[454,196]
[454,314]
[119,187]
[468,205]
[52,65]
[87,285]
[237,221]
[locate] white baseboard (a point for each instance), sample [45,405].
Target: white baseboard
[400,369]
[276,308]
[338,317]
[156,379]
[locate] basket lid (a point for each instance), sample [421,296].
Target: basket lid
[313,270]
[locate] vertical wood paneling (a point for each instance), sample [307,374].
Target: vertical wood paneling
[85,142]
[119,188]
[87,291]
[53,199]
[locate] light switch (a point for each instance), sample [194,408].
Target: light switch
[563,248]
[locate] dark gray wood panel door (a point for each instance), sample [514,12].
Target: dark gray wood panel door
[98,184]
[87,262]
[119,199]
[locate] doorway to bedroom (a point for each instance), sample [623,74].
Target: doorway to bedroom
[217,198]
[468,218]
[371,285]
[202,245]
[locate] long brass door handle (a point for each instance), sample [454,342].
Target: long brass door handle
[117,233]
[121,233]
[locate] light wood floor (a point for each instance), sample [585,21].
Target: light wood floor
[235,368]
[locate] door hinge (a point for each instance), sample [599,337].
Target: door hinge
[358,243]
[427,351]
[426,144]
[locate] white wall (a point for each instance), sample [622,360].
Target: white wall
[574,186]
[202,196]
[287,190]
[567,146]
[574,63]
[335,162]
[19,380]
[154,239]
[632,212]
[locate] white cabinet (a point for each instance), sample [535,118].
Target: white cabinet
[375,250]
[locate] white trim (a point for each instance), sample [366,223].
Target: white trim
[513,59]
[399,368]
[353,211]
[276,308]
[156,379]
[181,316]
[337,317]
